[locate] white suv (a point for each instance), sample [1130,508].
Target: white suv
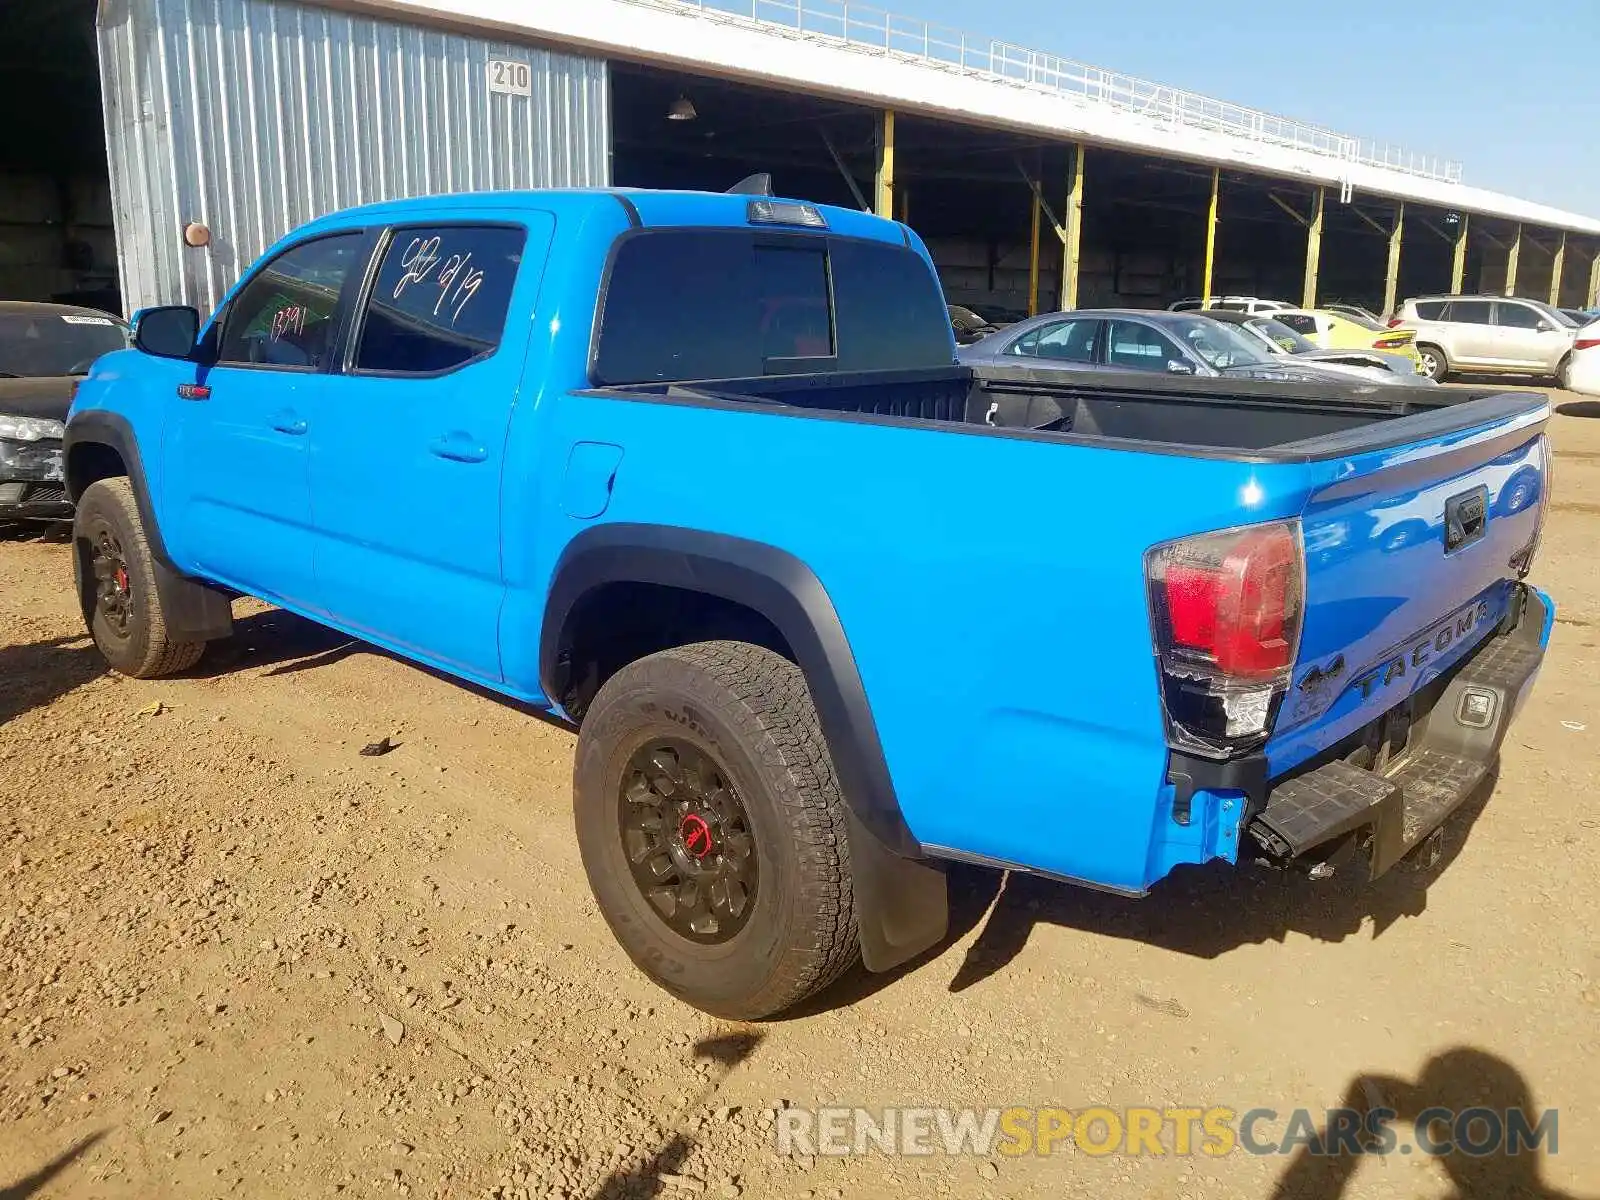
[1489,335]
[1245,304]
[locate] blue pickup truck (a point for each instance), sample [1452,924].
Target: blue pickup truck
[700,474]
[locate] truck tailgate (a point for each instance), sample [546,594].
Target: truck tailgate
[1411,554]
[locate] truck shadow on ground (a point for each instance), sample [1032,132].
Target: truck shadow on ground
[1453,1082]
[35,675]
[647,1179]
[1204,911]
[288,644]
[33,1184]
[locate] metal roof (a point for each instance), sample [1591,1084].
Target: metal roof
[842,48]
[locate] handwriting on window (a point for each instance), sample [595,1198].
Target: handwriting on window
[424,263]
[289,320]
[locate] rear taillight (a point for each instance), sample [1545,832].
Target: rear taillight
[1393,321]
[1586,343]
[1391,343]
[1226,610]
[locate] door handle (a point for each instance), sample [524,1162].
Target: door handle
[458,447]
[287,422]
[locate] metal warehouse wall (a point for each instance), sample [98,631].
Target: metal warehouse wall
[253,116]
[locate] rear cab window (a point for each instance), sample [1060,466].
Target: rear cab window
[688,304]
[1431,310]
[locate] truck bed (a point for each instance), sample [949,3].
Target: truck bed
[1239,419]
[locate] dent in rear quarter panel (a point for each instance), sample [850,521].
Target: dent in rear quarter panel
[991,588]
[1377,575]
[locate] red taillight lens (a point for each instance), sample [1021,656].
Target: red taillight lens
[1226,610]
[1392,343]
[1393,321]
[1586,343]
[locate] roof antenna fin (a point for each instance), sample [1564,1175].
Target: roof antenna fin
[759,184]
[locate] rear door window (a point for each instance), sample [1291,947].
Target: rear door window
[1432,310]
[1301,323]
[440,298]
[284,316]
[1472,312]
[1062,341]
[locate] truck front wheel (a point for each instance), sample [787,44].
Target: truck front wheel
[117,586]
[712,829]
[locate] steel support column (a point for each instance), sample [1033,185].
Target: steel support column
[1308,295]
[1511,261]
[1211,236]
[1072,243]
[1593,298]
[1033,260]
[1391,276]
[1556,266]
[883,179]
[1458,269]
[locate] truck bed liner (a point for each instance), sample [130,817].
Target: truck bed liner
[1247,420]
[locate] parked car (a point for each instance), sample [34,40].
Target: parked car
[1578,316]
[1583,372]
[1143,340]
[1277,338]
[967,325]
[1486,335]
[1340,331]
[1352,310]
[44,348]
[734,559]
[1247,304]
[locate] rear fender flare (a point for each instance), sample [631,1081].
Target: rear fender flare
[900,894]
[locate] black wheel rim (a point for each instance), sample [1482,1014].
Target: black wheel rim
[113,593]
[687,839]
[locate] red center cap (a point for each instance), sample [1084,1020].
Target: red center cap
[696,835]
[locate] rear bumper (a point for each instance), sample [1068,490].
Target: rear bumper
[1451,742]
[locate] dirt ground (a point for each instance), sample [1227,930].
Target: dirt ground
[239,959]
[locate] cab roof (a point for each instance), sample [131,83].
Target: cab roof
[641,207]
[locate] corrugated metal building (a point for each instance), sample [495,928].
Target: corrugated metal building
[251,117]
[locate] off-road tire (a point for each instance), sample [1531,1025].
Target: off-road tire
[750,711]
[1441,364]
[143,649]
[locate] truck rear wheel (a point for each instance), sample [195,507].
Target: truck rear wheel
[117,586]
[712,829]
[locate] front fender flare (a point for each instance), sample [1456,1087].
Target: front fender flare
[195,611]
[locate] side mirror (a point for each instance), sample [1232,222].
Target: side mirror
[1174,367]
[166,332]
[1547,326]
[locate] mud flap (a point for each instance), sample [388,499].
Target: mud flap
[902,904]
[194,611]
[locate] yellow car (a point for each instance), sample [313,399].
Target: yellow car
[1344,331]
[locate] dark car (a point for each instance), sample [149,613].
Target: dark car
[44,349]
[969,326]
[1170,343]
